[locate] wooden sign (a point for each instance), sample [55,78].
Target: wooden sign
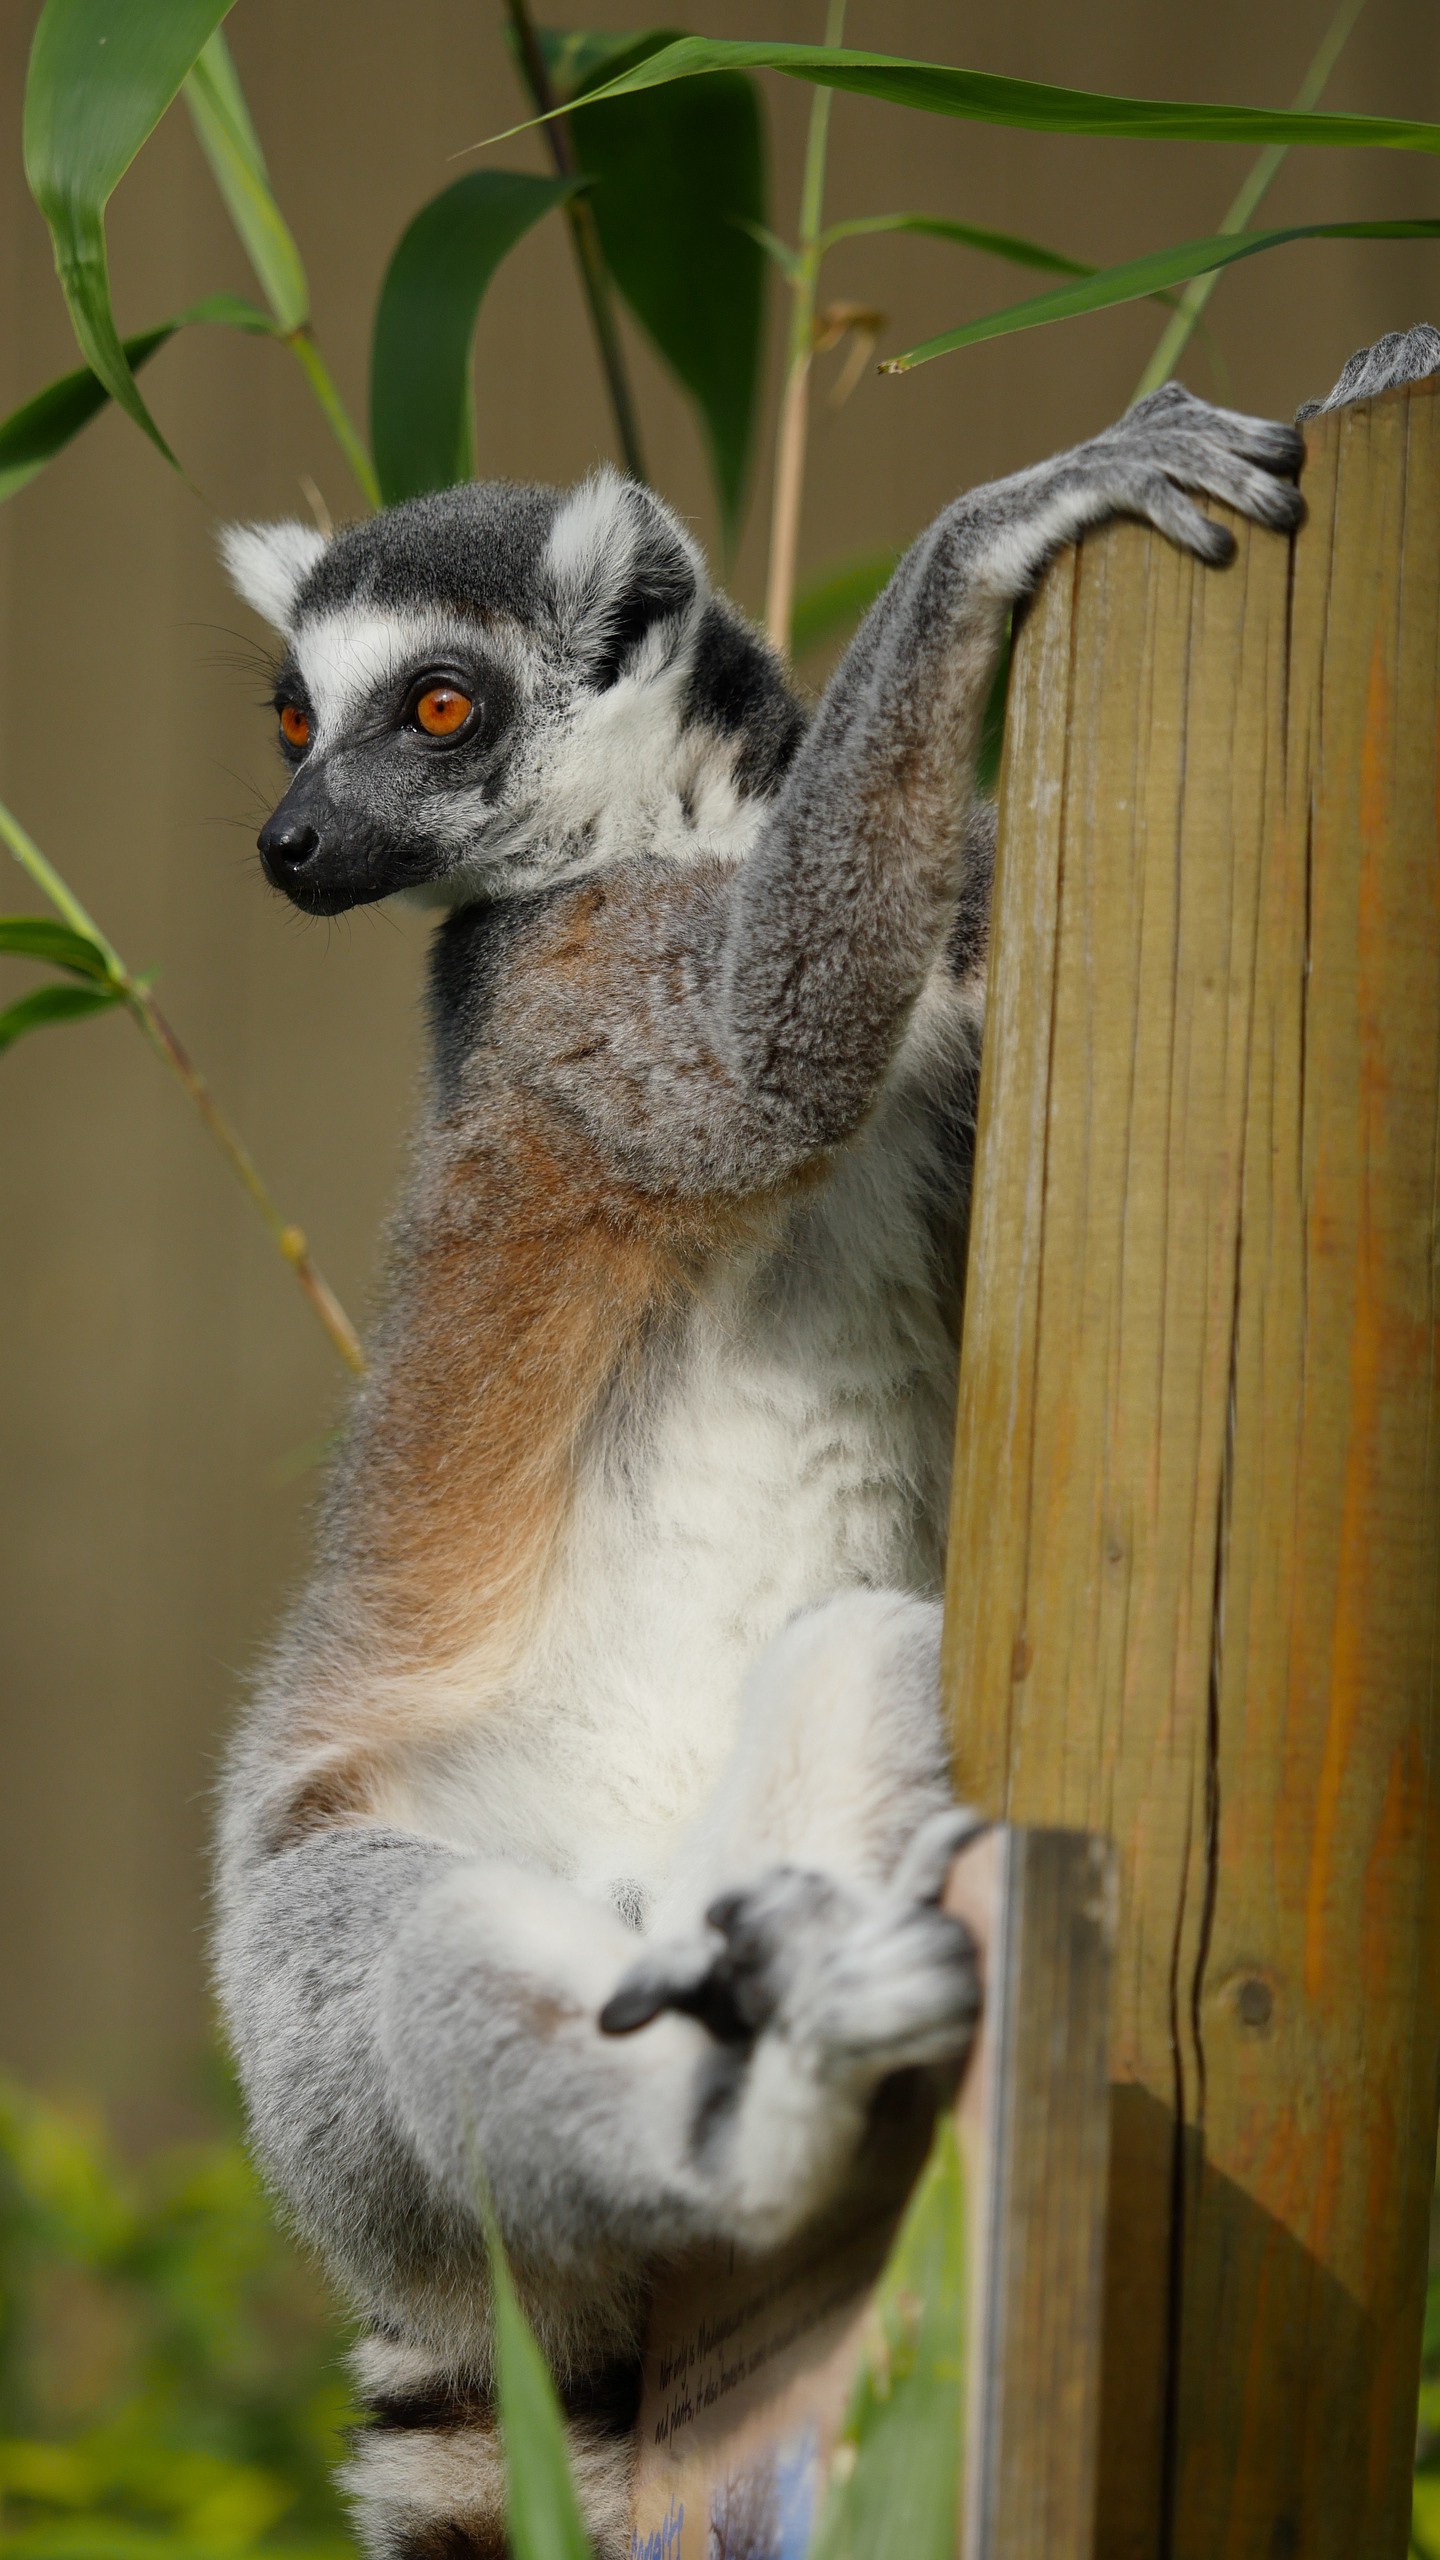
[753,2361]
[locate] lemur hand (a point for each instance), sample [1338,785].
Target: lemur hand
[861,1984]
[1404,355]
[1170,442]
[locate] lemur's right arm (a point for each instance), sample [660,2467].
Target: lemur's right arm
[748,1020]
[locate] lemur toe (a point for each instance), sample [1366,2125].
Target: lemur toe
[678,1976]
[732,1988]
[921,1874]
[1402,355]
[901,1992]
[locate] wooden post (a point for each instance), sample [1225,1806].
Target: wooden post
[1195,1564]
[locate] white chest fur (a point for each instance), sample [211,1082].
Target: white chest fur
[792,1440]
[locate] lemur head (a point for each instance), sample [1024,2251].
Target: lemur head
[471,680]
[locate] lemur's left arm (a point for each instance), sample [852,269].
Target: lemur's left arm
[742,1021]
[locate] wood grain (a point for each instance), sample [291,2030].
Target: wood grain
[1195,1560]
[1039,2208]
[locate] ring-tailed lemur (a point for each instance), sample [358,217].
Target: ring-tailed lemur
[614,1691]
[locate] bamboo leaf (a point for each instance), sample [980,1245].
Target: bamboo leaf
[41,938]
[58,1003]
[578,58]
[102,73]
[895,2474]
[834,602]
[33,434]
[1138,277]
[232,146]
[541,2509]
[679,193]
[421,394]
[968,235]
[983,97]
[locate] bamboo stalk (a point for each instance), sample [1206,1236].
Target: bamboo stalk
[1190,310]
[585,240]
[289,1240]
[794,424]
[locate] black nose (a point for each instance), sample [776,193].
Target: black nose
[288,844]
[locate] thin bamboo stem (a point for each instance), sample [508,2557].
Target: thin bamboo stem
[792,434]
[289,1240]
[1180,328]
[342,426]
[585,240]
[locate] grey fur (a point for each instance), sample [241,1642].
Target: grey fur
[783,945]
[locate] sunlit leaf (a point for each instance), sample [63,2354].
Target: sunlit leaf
[42,938]
[983,97]
[1140,276]
[541,2509]
[59,1003]
[895,2475]
[102,73]
[679,192]
[33,434]
[232,147]
[834,602]
[421,393]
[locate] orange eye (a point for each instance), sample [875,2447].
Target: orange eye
[294,726]
[442,711]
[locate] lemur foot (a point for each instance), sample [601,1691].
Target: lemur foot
[1403,355]
[860,1984]
[1171,442]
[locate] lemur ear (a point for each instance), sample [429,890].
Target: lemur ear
[269,563]
[622,571]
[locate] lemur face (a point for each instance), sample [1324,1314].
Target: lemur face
[465,680]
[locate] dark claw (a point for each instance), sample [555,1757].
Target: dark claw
[633,2005]
[712,2001]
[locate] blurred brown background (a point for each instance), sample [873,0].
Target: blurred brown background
[158,1365]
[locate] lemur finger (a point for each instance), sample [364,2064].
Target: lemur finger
[1257,494]
[1173,514]
[921,1873]
[1268,441]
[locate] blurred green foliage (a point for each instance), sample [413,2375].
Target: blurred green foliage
[170,2378]
[1425,2512]
[170,2383]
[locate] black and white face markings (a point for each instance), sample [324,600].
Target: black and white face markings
[471,683]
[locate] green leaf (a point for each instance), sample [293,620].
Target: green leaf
[834,602]
[232,147]
[968,235]
[1140,276]
[679,191]
[984,98]
[41,938]
[895,2474]
[421,395]
[102,73]
[33,434]
[59,1003]
[1425,2517]
[541,2509]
